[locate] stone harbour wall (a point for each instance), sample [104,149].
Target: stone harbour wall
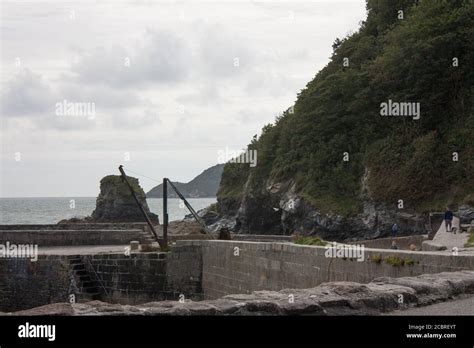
[136,278]
[26,284]
[231,267]
[209,269]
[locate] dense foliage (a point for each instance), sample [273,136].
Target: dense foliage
[409,59]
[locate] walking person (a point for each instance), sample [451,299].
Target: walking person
[448,219]
[394,230]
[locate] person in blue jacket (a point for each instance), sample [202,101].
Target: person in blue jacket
[394,230]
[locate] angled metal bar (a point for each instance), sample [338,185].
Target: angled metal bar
[160,241]
[190,208]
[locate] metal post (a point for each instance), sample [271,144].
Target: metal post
[162,243]
[165,210]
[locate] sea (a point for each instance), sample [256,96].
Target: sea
[51,210]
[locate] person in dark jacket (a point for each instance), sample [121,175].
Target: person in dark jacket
[394,230]
[448,219]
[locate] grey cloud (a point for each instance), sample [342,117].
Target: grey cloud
[105,97]
[27,93]
[135,119]
[205,95]
[225,54]
[160,58]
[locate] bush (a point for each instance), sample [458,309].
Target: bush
[309,241]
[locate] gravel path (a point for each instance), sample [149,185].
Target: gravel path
[462,306]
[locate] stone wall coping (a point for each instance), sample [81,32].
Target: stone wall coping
[285,246]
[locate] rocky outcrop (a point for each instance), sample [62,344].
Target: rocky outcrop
[338,298]
[279,209]
[115,202]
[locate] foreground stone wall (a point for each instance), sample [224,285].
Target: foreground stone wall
[26,284]
[337,298]
[231,267]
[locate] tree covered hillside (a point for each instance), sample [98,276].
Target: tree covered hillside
[405,51]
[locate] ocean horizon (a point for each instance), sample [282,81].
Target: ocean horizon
[51,210]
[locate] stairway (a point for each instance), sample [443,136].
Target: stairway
[146,238]
[88,289]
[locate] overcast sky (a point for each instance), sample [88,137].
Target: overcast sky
[171,83]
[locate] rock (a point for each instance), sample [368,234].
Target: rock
[336,298]
[208,215]
[465,214]
[115,202]
[224,234]
[428,245]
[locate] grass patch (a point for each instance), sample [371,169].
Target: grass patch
[309,241]
[470,241]
[376,258]
[214,207]
[346,206]
[395,261]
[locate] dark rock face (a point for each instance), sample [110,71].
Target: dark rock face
[115,202]
[278,209]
